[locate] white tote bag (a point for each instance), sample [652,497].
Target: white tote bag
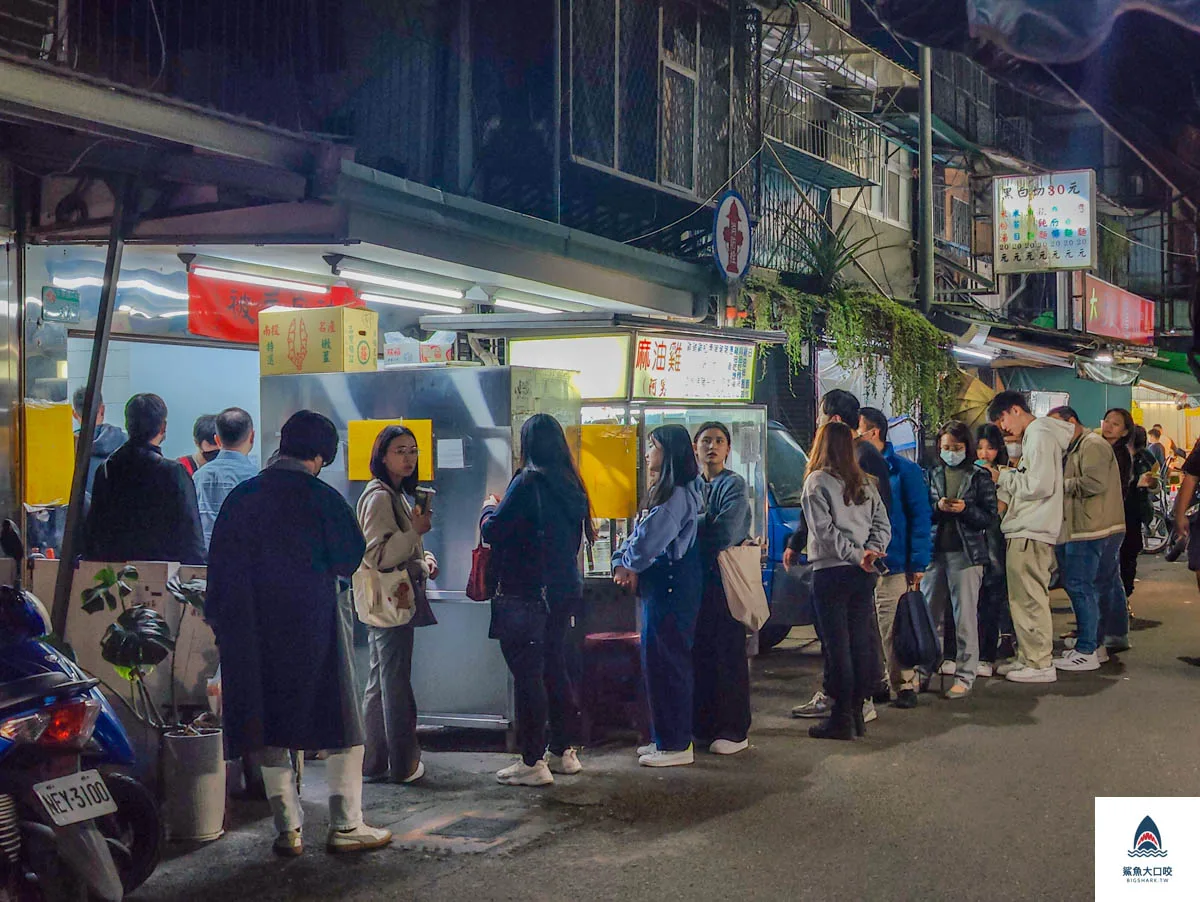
[741,574]
[383,599]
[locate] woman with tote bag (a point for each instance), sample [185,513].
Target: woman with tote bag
[389,595]
[721,671]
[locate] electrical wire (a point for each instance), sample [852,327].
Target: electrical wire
[1157,250]
[162,45]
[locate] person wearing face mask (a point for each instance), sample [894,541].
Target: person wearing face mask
[281,545]
[964,508]
[204,434]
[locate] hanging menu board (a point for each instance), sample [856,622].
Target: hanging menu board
[682,368]
[1045,222]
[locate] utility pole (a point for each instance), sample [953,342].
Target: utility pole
[925,241]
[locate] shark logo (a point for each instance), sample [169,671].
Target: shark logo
[1147,841]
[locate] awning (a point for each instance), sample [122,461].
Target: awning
[1170,382]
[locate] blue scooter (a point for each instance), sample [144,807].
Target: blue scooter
[67,831]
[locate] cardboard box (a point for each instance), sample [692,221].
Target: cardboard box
[317,340]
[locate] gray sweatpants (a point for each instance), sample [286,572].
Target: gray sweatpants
[952,576]
[389,707]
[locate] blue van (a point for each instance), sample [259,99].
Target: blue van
[789,593]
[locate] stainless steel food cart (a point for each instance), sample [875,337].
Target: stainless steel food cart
[475,415]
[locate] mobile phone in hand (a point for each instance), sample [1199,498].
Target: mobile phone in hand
[880,566]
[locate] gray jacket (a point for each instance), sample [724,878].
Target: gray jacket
[839,533]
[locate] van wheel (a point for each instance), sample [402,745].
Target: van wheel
[771,635]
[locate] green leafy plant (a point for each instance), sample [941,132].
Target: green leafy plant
[141,638]
[866,331]
[826,255]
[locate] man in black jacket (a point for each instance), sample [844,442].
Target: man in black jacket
[840,406]
[143,506]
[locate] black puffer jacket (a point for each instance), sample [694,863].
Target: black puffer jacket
[979,493]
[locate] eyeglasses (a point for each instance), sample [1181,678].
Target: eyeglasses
[407,452]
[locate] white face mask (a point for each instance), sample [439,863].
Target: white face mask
[1013,449]
[954,458]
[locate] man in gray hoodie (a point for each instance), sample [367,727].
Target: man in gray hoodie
[1033,491]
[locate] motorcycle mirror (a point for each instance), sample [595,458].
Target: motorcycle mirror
[10,541]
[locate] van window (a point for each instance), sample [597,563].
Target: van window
[786,463]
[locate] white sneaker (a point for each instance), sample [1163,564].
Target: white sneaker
[521,774]
[820,705]
[659,758]
[948,668]
[289,844]
[1074,659]
[869,712]
[646,749]
[416,774]
[1004,668]
[728,746]
[1025,674]
[984,669]
[1102,654]
[567,763]
[360,839]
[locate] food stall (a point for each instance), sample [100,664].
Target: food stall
[467,420]
[634,374]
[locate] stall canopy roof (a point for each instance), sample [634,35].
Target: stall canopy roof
[1171,382]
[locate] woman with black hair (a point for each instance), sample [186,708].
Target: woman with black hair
[964,507]
[995,621]
[721,719]
[394,529]
[1139,509]
[535,534]
[661,563]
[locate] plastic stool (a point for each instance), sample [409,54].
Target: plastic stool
[614,694]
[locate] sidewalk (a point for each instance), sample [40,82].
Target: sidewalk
[987,797]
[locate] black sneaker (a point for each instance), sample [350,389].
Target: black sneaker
[906,699]
[882,695]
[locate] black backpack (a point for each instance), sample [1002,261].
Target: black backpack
[915,638]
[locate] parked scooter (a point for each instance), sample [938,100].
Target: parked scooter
[67,831]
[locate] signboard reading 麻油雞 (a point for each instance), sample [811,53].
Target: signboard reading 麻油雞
[1045,222]
[682,368]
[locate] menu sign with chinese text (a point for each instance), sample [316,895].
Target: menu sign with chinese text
[681,368]
[1045,222]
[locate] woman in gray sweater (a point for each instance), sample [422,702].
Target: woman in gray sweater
[848,533]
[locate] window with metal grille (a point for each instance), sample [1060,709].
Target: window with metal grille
[960,213]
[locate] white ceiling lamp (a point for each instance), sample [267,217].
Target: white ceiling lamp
[1103,356]
[126,284]
[409,302]
[370,273]
[226,275]
[505,304]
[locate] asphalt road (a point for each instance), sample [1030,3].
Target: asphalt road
[987,798]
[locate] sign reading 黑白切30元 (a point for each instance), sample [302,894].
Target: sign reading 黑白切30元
[1043,223]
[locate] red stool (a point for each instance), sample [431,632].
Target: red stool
[614,695]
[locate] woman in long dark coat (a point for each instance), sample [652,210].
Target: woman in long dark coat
[279,546]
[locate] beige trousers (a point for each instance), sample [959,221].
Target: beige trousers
[887,596]
[1029,566]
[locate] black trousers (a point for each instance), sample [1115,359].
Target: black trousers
[1130,549]
[721,671]
[994,617]
[844,598]
[545,690]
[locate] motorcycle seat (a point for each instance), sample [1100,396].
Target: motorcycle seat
[27,689]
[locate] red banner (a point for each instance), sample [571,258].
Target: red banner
[1115,312]
[229,310]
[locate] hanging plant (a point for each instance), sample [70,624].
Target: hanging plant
[866,332]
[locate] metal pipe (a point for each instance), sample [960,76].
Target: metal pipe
[558,109]
[124,214]
[925,245]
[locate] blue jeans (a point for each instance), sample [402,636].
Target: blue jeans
[1114,607]
[1081,567]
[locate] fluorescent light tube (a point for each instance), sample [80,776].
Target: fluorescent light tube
[971,352]
[524,308]
[226,275]
[358,275]
[409,302]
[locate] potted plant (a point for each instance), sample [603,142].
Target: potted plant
[191,754]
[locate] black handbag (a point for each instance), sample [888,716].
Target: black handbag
[523,617]
[422,611]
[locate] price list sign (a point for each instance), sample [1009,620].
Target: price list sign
[681,368]
[1045,222]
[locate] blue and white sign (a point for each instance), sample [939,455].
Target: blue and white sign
[732,237]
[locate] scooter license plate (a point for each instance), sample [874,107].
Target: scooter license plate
[74,798]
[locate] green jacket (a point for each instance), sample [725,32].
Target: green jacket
[1093,505]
